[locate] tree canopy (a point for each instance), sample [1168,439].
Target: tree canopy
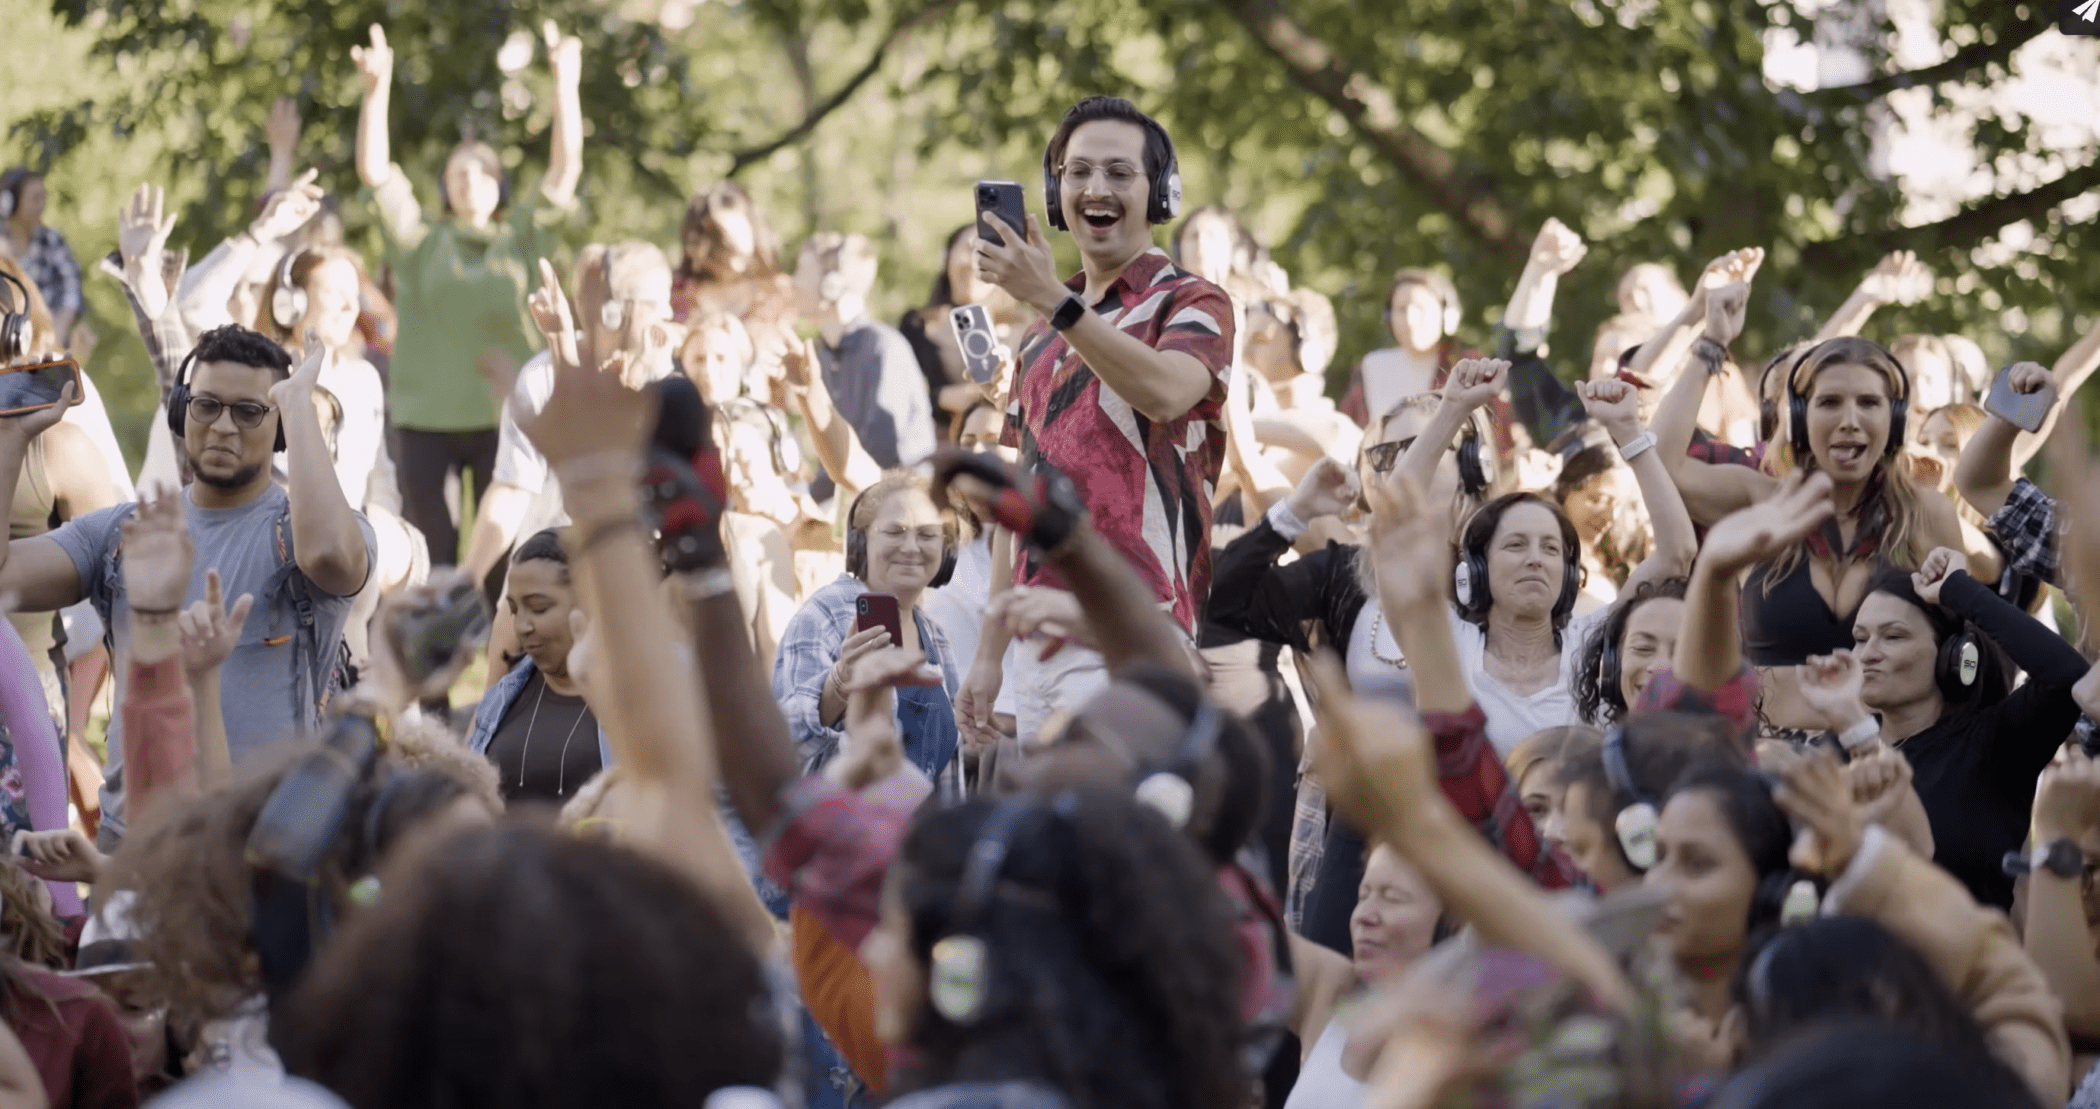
[1354,138]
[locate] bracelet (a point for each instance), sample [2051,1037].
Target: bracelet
[595,534]
[610,464]
[1638,445]
[1712,353]
[1861,734]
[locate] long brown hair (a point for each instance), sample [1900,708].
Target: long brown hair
[701,222]
[305,260]
[1900,542]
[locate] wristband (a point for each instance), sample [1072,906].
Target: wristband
[1069,311]
[1712,353]
[1638,445]
[1286,522]
[1861,734]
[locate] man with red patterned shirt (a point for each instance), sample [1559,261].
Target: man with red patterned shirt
[1121,387]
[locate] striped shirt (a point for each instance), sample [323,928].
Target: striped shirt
[1149,484]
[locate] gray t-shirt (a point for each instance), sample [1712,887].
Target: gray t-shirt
[875,383]
[259,683]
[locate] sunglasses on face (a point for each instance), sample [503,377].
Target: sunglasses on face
[1384,456]
[247,415]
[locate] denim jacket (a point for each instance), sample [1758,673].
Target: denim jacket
[489,713]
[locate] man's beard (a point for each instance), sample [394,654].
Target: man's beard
[234,482]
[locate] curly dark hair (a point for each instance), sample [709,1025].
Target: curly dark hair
[1113,973]
[236,344]
[517,967]
[187,863]
[1597,694]
[29,930]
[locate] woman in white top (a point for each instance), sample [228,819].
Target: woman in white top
[316,290]
[1520,561]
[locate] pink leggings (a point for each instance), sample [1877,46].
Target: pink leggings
[28,720]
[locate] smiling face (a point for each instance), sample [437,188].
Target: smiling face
[904,544]
[1591,843]
[473,183]
[1848,420]
[1594,503]
[1649,642]
[223,454]
[1395,918]
[540,598]
[1102,190]
[1417,317]
[1708,876]
[1893,642]
[1526,560]
[332,299]
[1938,450]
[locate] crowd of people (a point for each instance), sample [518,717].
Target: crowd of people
[1114,720]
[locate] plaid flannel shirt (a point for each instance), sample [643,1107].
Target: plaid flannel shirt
[50,266]
[168,339]
[2026,530]
[1308,843]
[1735,699]
[1479,788]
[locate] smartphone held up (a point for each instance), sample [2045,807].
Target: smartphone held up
[37,385]
[1003,199]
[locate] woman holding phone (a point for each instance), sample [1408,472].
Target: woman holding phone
[898,545]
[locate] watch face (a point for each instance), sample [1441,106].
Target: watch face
[2064,859]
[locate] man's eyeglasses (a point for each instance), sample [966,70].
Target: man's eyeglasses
[247,415]
[1383,456]
[1120,174]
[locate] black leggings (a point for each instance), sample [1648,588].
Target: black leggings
[422,460]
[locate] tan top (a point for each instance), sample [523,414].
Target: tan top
[34,501]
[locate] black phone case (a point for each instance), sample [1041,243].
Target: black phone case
[1007,202]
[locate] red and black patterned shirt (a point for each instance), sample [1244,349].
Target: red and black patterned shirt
[1148,484]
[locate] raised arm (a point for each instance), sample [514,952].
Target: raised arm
[1615,405]
[328,542]
[206,288]
[1710,646]
[210,631]
[1897,279]
[1662,355]
[1541,401]
[1162,384]
[1555,251]
[1677,417]
[1473,382]
[837,447]
[38,571]
[1251,594]
[2057,938]
[1984,476]
[281,132]
[565,159]
[158,730]
[375,67]
[2070,372]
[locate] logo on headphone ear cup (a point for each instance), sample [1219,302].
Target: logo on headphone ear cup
[1462,583]
[1967,661]
[960,980]
[1635,827]
[1171,194]
[1170,795]
[1801,903]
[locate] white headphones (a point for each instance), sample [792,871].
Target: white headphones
[288,303]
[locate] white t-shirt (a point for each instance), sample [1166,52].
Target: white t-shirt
[518,462]
[1510,717]
[361,437]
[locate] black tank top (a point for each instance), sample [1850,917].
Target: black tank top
[1790,623]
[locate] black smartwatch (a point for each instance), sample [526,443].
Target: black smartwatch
[1068,312]
[2060,857]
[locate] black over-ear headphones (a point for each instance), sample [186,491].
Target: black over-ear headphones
[857,548]
[960,982]
[14,325]
[1476,459]
[179,403]
[1472,575]
[1172,792]
[1162,203]
[1633,827]
[1958,667]
[1797,403]
[288,301]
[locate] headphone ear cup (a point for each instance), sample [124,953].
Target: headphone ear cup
[288,306]
[1635,829]
[178,409]
[1797,427]
[857,553]
[1053,197]
[1899,419]
[832,286]
[946,571]
[1959,665]
[960,980]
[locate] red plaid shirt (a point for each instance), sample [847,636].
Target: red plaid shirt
[1148,484]
[1479,788]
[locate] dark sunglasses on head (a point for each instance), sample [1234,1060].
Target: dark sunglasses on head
[247,415]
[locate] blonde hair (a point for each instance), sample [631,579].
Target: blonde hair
[1900,543]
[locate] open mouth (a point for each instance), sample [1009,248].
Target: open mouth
[1101,217]
[1847,454]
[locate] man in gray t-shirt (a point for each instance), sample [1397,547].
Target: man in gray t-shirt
[302,553]
[868,367]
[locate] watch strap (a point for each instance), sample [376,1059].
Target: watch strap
[1069,310]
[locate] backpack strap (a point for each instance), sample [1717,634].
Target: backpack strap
[104,595]
[318,673]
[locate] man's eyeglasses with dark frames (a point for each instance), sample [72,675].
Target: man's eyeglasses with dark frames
[247,415]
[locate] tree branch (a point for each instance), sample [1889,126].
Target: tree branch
[1965,228]
[1372,109]
[744,158]
[1969,58]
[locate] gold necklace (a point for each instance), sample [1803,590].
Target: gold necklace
[1378,625]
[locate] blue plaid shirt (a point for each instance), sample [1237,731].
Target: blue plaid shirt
[809,648]
[49,263]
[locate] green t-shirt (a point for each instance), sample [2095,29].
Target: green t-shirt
[458,292]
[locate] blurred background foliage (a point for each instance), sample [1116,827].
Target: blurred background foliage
[1354,137]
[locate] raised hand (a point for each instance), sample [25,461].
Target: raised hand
[1042,509]
[550,310]
[158,555]
[1374,759]
[1761,531]
[1029,611]
[1898,279]
[143,225]
[1879,777]
[288,210]
[1725,309]
[1613,404]
[564,55]
[798,364]
[281,126]
[1557,249]
[873,751]
[1935,570]
[2067,802]
[1023,266]
[1831,686]
[1814,793]
[298,387]
[1733,268]
[59,855]
[1475,381]
[1327,489]
[1409,545]
[591,412]
[2077,486]
[375,63]
[209,629]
